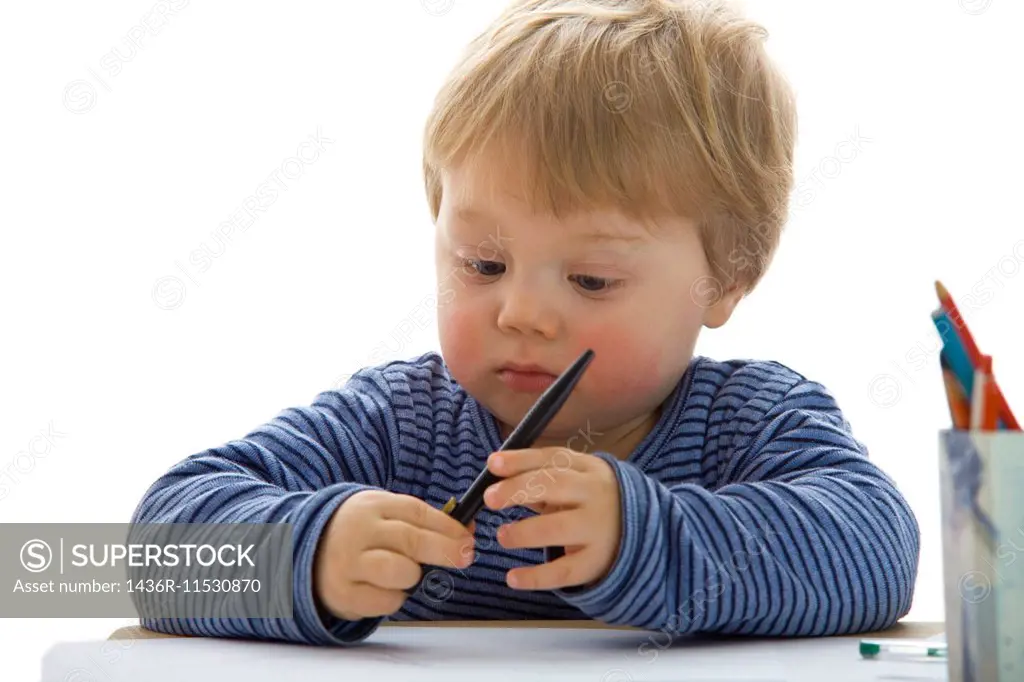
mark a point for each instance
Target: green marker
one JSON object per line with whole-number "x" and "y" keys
{"x": 874, "y": 648}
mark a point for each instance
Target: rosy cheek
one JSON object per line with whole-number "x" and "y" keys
{"x": 461, "y": 337}
{"x": 624, "y": 365}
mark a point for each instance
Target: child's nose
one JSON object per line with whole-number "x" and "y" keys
{"x": 528, "y": 312}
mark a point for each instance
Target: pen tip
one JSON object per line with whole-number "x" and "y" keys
{"x": 584, "y": 359}
{"x": 941, "y": 290}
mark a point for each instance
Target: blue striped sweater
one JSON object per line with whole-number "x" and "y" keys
{"x": 750, "y": 508}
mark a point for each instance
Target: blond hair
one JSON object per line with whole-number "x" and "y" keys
{"x": 651, "y": 107}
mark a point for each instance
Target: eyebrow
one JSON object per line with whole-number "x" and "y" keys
{"x": 602, "y": 237}
{"x": 469, "y": 214}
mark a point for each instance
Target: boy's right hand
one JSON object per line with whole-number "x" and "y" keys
{"x": 373, "y": 549}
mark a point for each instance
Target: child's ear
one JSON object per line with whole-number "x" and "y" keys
{"x": 719, "y": 309}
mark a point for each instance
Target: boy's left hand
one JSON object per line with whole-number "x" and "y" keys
{"x": 576, "y": 496}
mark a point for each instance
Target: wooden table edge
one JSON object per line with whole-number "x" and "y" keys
{"x": 911, "y": 629}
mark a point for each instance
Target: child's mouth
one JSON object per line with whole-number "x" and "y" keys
{"x": 526, "y": 382}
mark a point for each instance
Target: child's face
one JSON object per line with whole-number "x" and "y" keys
{"x": 519, "y": 287}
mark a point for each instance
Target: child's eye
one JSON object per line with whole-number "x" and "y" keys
{"x": 487, "y": 268}
{"x": 594, "y": 284}
{"x": 490, "y": 268}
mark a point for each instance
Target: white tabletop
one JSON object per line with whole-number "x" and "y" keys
{"x": 452, "y": 654}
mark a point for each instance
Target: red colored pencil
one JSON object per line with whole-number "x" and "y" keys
{"x": 973, "y": 353}
{"x": 990, "y": 417}
{"x": 1004, "y": 408}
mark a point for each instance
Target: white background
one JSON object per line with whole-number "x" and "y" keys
{"x": 110, "y": 182}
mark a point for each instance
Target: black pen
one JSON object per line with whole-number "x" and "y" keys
{"x": 524, "y": 435}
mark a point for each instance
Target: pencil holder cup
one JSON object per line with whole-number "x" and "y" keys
{"x": 981, "y": 477}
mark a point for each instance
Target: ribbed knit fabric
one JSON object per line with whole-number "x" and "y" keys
{"x": 749, "y": 509}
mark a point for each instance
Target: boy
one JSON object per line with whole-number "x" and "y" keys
{"x": 610, "y": 175}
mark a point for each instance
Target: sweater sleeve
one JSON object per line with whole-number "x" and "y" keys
{"x": 297, "y": 469}
{"x": 801, "y": 536}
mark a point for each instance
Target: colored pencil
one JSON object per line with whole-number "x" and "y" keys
{"x": 990, "y": 417}
{"x": 1005, "y": 415}
{"x": 959, "y": 405}
{"x": 963, "y": 347}
{"x": 979, "y": 395}
{"x": 973, "y": 353}
{"x": 957, "y": 359}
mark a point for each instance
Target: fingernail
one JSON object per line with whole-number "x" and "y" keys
{"x": 497, "y": 462}
{"x": 491, "y": 496}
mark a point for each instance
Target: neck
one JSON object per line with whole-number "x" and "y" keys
{"x": 619, "y": 441}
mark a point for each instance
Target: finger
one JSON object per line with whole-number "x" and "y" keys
{"x": 507, "y": 463}
{"x": 386, "y": 569}
{"x": 562, "y": 489}
{"x": 371, "y": 601}
{"x": 568, "y": 571}
{"x": 560, "y": 529}
{"x": 423, "y": 546}
{"x": 415, "y": 511}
